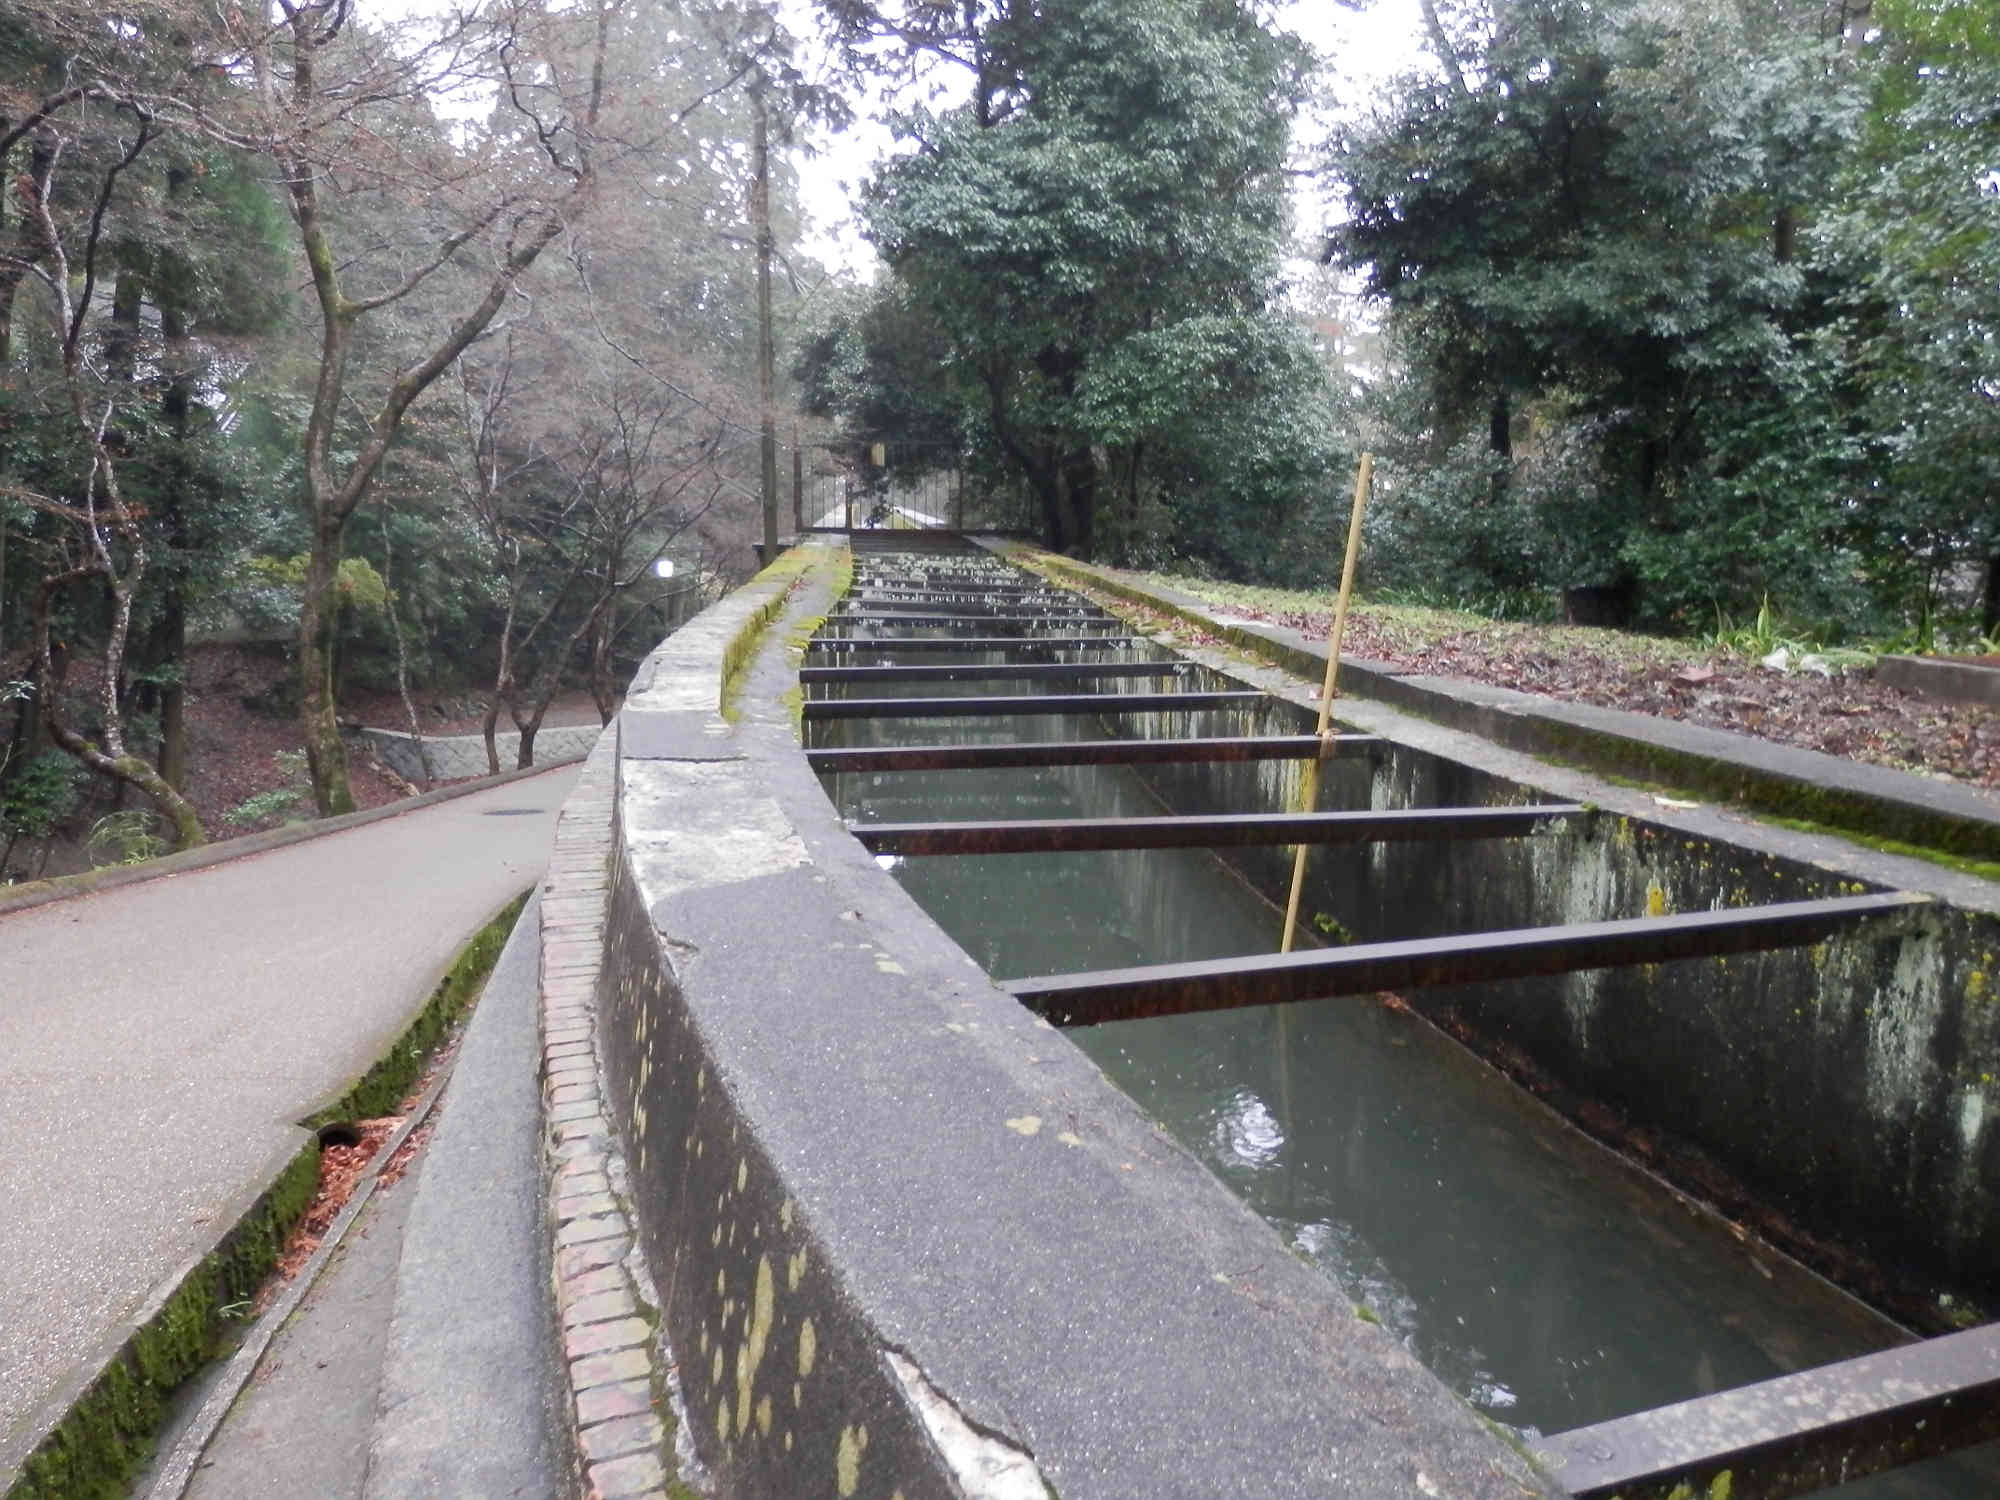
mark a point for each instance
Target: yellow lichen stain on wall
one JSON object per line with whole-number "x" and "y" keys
{"x": 763, "y": 1311}
{"x": 808, "y": 1348}
{"x": 847, "y": 1459}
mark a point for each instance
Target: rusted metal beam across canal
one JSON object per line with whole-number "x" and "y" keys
{"x": 1087, "y": 753}
{"x": 1465, "y": 958}
{"x": 1010, "y": 704}
{"x": 972, "y": 642}
{"x": 1796, "y": 1434}
{"x": 971, "y": 616}
{"x": 1216, "y": 831}
{"x": 988, "y": 591}
{"x": 1029, "y": 671}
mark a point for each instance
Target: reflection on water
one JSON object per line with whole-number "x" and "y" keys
{"x": 1545, "y": 1281}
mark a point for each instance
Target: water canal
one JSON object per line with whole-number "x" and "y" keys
{"x": 1546, "y": 1280}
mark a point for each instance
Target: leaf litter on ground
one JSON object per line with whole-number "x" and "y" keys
{"x": 1847, "y": 713}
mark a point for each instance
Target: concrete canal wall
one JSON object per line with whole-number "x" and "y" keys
{"x": 1851, "y": 1087}
{"x": 905, "y": 1239}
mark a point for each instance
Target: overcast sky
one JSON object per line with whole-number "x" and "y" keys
{"x": 1364, "y": 48}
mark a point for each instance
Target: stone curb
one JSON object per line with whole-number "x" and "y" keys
{"x": 176, "y": 1471}
{"x": 1780, "y": 780}
{"x": 114, "y": 877}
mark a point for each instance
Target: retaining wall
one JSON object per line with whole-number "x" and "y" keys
{"x": 452, "y": 756}
{"x": 906, "y": 1239}
{"x": 905, "y": 1235}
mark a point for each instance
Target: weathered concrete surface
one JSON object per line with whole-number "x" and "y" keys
{"x": 1951, "y": 681}
{"x": 894, "y": 1218}
{"x": 1851, "y": 1086}
{"x": 454, "y": 755}
{"x": 158, "y": 1042}
{"x": 1800, "y": 783}
{"x": 466, "y": 1406}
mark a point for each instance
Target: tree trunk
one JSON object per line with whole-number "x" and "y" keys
{"x": 760, "y": 213}
{"x": 1500, "y": 440}
{"x": 489, "y": 727}
{"x": 402, "y": 651}
{"x": 112, "y": 759}
{"x": 121, "y": 336}
{"x": 319, "y": 614}
{"x": 1989, "y": 619}
{"x": 602, "y": 692}
{"x": 1079, "y": 492}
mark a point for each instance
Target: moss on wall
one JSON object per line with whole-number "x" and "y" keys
{"x": 108, "y": 1432}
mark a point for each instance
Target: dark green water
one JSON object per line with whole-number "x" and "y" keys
{"x": 1544, "y": 1279}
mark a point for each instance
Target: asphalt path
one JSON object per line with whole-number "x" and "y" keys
{"x": 159, "y": 1044}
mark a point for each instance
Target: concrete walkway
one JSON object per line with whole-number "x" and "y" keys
{"x": 159, "y": 1042}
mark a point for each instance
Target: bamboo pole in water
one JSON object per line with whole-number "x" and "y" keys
{"x": 1309, "y": 793}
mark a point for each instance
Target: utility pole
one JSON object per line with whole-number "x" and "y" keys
{"x": 798, "y": 482}
{"x": 760, "y": 213}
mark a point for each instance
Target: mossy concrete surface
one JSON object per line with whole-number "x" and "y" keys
{"x": 108, "y": 1427}
{"x": 908, "y": 1239}
{"x": 78, "y": 1434}
{"x": 1922, "y": 812}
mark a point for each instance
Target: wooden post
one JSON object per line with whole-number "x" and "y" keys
{"x": 1309, "y": 796}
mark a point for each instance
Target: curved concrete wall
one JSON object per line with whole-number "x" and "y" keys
{"x": 906, "y": 1239}
{"x": 452, "y": 756}
{"x": 904, "y": 1234}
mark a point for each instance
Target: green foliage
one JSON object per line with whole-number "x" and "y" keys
{"x": 355, "y": 582}
{"x": 1085, "y": 261}
{"x": 276, "y": 801}
{"x": 39, "y": 795}
{"x": 1769, "y": 632}
{"x": 130, "y": 837}
{"x": 1589, "y": 246}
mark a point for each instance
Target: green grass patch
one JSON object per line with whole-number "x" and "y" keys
{"x": 1961, "y": 844}
{"x": 1984, "y": 869}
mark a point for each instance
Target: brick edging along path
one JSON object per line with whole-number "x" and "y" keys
{"x": 614, "y": 1376}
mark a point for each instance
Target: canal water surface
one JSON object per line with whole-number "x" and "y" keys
{"x": 1545, "y": 1279}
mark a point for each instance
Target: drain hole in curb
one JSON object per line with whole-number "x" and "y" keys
{"x": 511, "y": 812}
{"x": 339, "y": 1133}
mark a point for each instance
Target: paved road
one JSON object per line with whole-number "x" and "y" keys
{"x": 158, "y": 1044}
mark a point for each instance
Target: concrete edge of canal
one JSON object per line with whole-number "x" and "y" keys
{"x": 900, "y": 1237}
